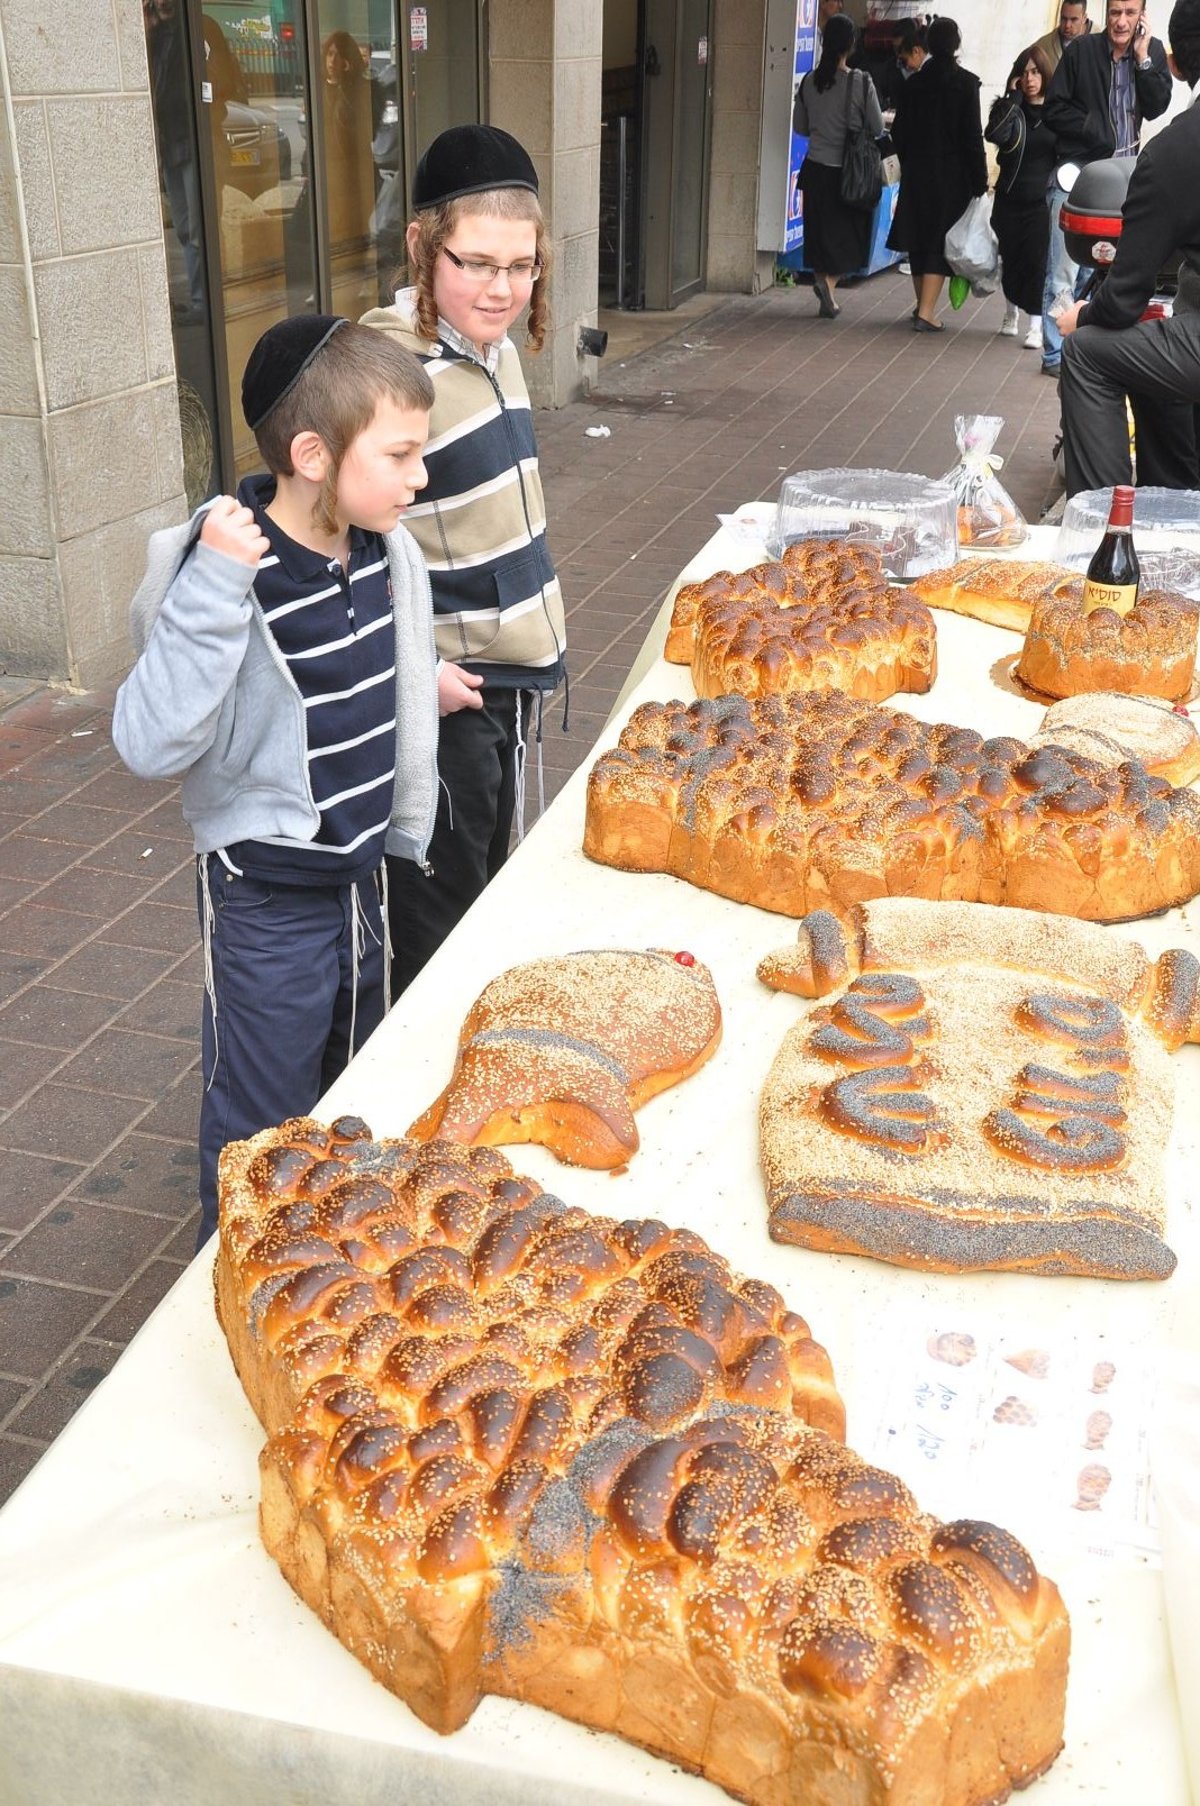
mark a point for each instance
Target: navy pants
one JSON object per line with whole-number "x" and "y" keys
{"x": 277, "y": 1025}
{"x": 477, "y": 765}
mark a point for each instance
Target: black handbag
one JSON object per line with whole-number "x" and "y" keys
{"x": 862, "y": 161}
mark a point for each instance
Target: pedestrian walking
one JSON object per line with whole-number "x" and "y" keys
{"x": 833, "y": 102}
{"x": 938, "y": 134}
{"x": 1026, "y": 146}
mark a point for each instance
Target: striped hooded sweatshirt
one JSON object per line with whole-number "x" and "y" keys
{"x": 481, "y": 521}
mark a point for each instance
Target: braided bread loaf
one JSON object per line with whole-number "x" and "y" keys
{"x": 562, "y": 1051}
{"x": 802, "y": 802}
{"x": 521, "y": 1450}
{"x": 1001, "y": 591}
{"x": 1151, "y": 651}
{"x": 823, "y": 617}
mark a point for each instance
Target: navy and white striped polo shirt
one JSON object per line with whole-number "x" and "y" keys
{"x": 336, "y": 631}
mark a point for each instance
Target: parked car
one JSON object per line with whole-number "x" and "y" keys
{"x": 259, "y": 152}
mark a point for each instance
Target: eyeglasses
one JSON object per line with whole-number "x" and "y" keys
{"x": 475, "y": 269}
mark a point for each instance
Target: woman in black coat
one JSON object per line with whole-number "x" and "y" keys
{"x": 1027, "y": 153}
{"x": 939, "y": 137}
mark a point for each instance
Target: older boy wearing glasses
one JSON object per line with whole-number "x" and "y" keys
{"x": 477, "y": 258}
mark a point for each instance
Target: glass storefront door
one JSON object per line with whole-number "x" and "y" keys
{"x": 676, "y": 99}
{"x": 356, "y": 125}
{"x": 286, "y": 130}
{"x": 253, "y": 105}
{"x": 442, "y": 54}
{"x": 168, "y": 54}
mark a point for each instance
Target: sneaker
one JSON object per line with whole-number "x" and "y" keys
{"x": 1011, "y": 324}
{"x": 1033, "y": 338}
{"x": 1050, "y": 370}
{"x": 904, "y": 267}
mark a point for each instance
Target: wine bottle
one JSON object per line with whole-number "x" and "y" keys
{"x": 1112, "y": 576}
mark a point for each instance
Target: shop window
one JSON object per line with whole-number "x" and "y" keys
{"x": 286, "y": 130}
{"x": 252, "y": 102}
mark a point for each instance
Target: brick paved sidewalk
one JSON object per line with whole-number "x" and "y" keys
{"x": 100, "y": 974}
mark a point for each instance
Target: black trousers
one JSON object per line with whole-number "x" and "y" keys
{"x": 477, "y": 766}
{"x": 1157, "y": 364}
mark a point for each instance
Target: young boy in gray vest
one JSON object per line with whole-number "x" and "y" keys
{"x": 286, "y": 671}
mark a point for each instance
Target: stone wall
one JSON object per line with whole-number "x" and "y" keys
{"x": 544, "y": 87}
{"x": 90, "y": 457}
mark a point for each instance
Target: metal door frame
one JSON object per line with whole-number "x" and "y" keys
{"x": 660, "y": 156}
{"x": 210, "y": 219}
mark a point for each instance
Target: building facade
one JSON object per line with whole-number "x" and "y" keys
{"x": 175, "y": 175}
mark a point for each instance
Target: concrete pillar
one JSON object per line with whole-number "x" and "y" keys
{"x": 90, "y": 456}
{"x": 545, "y": 62}
{"x": 739, "y": 28}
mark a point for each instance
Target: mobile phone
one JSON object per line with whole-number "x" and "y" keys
{"x": 1141, "y": 28}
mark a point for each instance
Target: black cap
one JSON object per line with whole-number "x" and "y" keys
{"x": 280, "y": 359}
{"x": 471, "y": 159}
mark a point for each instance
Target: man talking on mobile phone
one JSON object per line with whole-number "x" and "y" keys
{"x": 1106, "y": 85}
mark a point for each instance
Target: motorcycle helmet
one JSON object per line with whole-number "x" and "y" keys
{"x": 1091, "y": 213}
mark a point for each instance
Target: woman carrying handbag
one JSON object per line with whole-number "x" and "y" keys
{"x": 834, "y": 106}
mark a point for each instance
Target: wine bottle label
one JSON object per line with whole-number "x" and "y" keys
{"x": 1120, "y": 597}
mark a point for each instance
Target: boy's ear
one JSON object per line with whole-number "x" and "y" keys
{"x": 310, "y": 456}
{"x": 411, "y": 235}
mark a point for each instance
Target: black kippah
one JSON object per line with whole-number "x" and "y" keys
{"x": 280, "y": 359}
{"x": 470, "y": 159}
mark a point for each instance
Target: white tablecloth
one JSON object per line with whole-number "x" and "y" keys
{"x": 150, "y": 1651}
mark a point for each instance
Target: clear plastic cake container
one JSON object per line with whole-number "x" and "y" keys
{"x": 912, "y": 521}
{"x": 1166, "y": 531}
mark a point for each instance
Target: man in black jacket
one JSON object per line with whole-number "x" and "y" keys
{"x": 1108, "y": 354}
{"x": 1104, "y": 87}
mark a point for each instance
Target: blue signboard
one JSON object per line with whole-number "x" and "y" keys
{"x": 806, "y": 37}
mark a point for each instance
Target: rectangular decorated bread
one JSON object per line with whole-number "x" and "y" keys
{"x": 518, "y": 1449}
{"x": 988, "y": 1088}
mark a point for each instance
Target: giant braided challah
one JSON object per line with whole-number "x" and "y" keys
{"x": 808, "y": 802}
{"x": 518, "y": 1449}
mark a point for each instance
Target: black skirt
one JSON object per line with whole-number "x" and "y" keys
{"x": 1023, "y": 230}
{"x": 837, "y": 238}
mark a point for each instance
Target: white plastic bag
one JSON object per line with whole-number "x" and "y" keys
{"x": 971, "y": 247}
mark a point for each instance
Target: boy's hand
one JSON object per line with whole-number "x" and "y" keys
{"x": 458, "y": 689}
{"x": 232, "y": 529}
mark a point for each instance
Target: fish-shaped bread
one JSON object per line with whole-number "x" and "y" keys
{"x": 563, "y": 1050}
